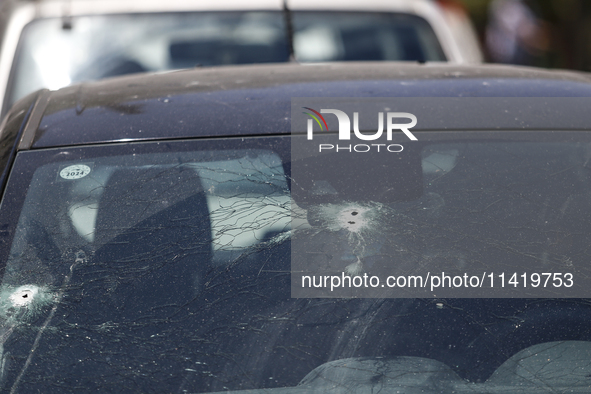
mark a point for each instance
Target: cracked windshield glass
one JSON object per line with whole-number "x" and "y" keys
{"x": 171, "y": 267}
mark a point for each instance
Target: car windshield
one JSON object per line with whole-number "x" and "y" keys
{"x": 166, "y": 266}
{"x": 53, "y": 53}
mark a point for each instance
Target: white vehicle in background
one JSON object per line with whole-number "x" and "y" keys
{"x": 55, "y": 43}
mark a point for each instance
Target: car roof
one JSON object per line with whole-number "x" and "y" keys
{"x": 256, "y": 100}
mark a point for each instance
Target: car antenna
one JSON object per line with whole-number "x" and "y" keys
{"x": 288, "y": 30}
{"x": 67, "y": 15}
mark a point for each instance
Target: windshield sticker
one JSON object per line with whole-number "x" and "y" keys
{"x": 75, "y": 171}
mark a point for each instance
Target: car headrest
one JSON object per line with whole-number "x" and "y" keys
{"x": 153, "y": 235}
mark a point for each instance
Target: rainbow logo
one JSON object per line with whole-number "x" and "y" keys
{"x": 316, "y": 118}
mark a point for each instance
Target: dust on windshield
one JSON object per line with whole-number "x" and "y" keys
{"x": 167, "y": 267}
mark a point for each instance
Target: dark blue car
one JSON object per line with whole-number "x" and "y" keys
{"x": 217, "y": 230}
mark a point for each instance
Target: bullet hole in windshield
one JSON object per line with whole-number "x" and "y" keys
{"x": 20, "y": 304}
{"x": 23, "y": 296}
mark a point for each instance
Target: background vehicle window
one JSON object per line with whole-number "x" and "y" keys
{"x": 109, "y": 45}
{"x": 343, "y": 36}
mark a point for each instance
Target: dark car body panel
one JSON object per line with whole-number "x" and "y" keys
{"x": 255, "y": 100}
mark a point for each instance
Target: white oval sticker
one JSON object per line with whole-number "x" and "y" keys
{"x": 76, "y": 171}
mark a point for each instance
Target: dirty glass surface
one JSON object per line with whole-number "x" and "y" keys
{"x": 165, "y": 267}
{"x": 94, "y": 47}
